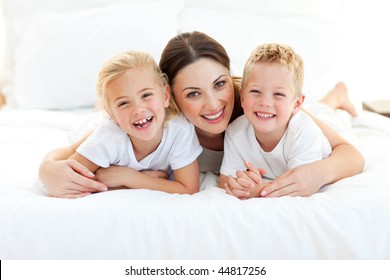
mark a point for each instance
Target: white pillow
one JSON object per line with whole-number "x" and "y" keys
{"x": 59, "y": 55}
{"x": 317, "y": 39}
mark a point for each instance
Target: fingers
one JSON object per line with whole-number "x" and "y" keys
{"x": 81, "y": 169}
{"x": 254, "y": 173}
{"x": 242, "y": 182}
{"x": 275, "y": 190}
{"x": 237, "y": 193}
{"x": 77, "y": 195}
{"x": 279, "y": 183}
{"x": 85, "y": 184}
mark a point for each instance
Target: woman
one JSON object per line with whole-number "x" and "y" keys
{"x": 198, "y": 69}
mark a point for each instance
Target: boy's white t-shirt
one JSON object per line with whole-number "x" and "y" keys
{"x": 303, "y": 142}
{"x": 110, "y": 145}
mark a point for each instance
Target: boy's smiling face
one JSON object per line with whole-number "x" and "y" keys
{"x": 268, "y": 99}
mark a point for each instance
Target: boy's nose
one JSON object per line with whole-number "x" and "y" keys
{"x": 265, "y": 100}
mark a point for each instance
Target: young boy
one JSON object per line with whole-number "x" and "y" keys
{"x": 274, "y": 134}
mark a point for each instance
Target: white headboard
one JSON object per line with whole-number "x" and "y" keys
{"x": 338, "y": 39}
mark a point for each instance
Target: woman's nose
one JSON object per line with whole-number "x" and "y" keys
{"x": 212, "y": 101}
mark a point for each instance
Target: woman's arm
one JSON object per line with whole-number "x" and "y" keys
{"x": 64, "y": 177}
{"x": 186, "y": 179}
{"x": 344, "y": 161}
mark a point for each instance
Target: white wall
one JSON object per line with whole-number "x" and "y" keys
{"x": 1, "y": 42}
{"x": 367, "y": 35}
{"x": 361, "y": 51}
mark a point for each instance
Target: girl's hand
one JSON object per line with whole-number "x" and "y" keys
{"x": 68, "y": 179}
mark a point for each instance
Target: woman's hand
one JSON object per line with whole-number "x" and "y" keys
{"x": 68, "y": 179}
{"x": 304, "y": 180}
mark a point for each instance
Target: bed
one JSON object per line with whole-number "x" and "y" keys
{"x": 46, "y": 102}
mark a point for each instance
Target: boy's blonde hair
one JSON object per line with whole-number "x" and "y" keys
{"x": 283, "y": 55}
{"x": 119, "y": 64}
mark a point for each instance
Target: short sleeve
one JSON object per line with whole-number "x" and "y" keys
{"x": 232, "y": 159}
{"x": 101, "y": 147}
{"x": 185, "y": 148}
{"x": 306, "y": 144}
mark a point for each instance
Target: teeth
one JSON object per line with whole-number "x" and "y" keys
{"x": 213, "y": 117}
{"x": 262, "y": 115}
{"x": 143, "y": 121}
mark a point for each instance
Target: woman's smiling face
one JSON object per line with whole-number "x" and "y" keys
{"x": 204, "y": 93}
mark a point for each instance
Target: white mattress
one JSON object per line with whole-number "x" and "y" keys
{"x": 345, "y": 220}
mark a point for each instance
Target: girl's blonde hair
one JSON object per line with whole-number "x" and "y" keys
{"x": 119, "y": 64}
{"x": 283, "y": 55}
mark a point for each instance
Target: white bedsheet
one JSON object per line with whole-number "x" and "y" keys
{"x": 346, "y": 220}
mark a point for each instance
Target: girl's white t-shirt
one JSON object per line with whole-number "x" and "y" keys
{"x": 110, "y": 145}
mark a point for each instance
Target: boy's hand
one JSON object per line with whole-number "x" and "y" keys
{"x": 247, "y": 184}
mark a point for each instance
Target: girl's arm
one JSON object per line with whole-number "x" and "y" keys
{"x": 64, "y": 177}
{"x": 186, "y": 179}
{"x": 344, "y": 161}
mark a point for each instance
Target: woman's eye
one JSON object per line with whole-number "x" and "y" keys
{"x": 193, "y": 94}
{"x": 220, "y": 84}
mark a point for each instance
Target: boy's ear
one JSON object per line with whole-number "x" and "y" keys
{"x": 298, "y": 103}
{"x": 241, "y": 97}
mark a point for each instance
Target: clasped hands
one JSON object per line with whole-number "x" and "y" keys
{"x": 248, "y": 183}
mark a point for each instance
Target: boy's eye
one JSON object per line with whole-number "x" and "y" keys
{"x": 279, "y": 94}
{"x": 255, "y": 91}
{"x": 147, "y": 94}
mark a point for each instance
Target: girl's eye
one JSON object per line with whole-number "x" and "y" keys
{"x": 220, "y": 84}
{"x": 122, "y": 104}
{"x": 193, "y": 94}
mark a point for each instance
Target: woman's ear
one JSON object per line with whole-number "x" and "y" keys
{"x": 298, "y": 103}
{"x": 167, "y": 95}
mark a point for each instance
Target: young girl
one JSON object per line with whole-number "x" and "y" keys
{"x": 144, "y": 131}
